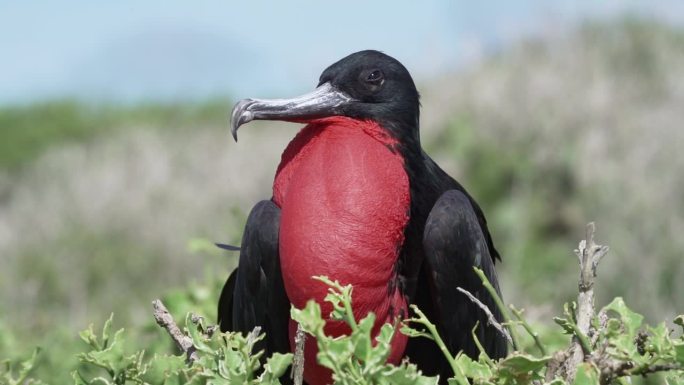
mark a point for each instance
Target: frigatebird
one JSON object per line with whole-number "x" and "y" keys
{"x": 356, "y": 198}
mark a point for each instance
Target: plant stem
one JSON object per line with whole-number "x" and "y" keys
{"x": 438, "y": 339}
{"x": 535, "y": 336}
{"x": 499, "y": 304}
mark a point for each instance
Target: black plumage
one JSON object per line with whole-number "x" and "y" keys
{"x": 446, "y": 235}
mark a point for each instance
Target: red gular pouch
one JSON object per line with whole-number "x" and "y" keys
{"x": 344, "y": 198}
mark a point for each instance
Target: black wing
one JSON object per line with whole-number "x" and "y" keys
{"x": 254, "y": 294}
{"x": 454, "y": 242}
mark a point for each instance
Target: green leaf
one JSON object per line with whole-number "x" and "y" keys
{"x": 362, "y": 338}
{"x": 675, "y": 379}
{"x": 679, "y": 352}
{"x": 78, "y": 379}
{"x": 340, "y": 350}
{"x": 161, "y": 368}
{"x": 88, "y": 336}
{"x": 386, "y": 334}
{"x": 519, "y": 363}
{"x": 325, "y": 361}
{"x": 413, "y": 333}
{"x": 277, "y": 364}
{"x": 106, "y": 330}
{"x": 613, "y": 327}
{"x": 367, "y": 323}
{"x": 566, "y": 324}
{"x": 406, "y": 374}
{"x": 199, "y": 341}
{"x": 381, "y": 351}
{"x": 473, "y": 369}
{"x": 587, "y": 374}
{"x": 27, "y": 365}
{"x": 658, "y": 341}
{"x": 6, "y": 377}
{"x": 631, "y": 320}
{"x": 309, "y": 317}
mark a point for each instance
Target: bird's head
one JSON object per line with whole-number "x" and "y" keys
{"x": 366, "y": 85}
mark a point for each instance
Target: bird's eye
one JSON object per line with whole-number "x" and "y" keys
{"x": 375, "y": 77}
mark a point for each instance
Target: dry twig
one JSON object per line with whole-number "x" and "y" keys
{"x": 491, "y": 320}
{"x": 165, "y": 320}
{"x": 298, "y": 361}
{"x": 590, "y": 255}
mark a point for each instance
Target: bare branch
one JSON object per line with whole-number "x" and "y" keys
{"x": 616, "y": 369}
{"x": 555, "y": 366}
{"x": 490, "y": 317}
{"x": 165, "y": 320}
{"x": 298, "y": 361}
{"x": 499, "y": 304}
{"x": 589, "y": 255}
{"x": 642, "y": 371}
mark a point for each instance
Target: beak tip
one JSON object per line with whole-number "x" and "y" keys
{"x": 240, "y": 116}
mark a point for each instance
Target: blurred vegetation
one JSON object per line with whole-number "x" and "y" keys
{"x": 105, "y": 207}
{"x": 559, "y": 130}
{"x": 27, "y": 131}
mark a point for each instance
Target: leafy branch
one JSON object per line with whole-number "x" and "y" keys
{"x": 358, "y": 358}
{"x": 607, "y": 347}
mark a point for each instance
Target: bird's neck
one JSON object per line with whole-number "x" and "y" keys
{"x": 318, "y": 132}
{"x": 405, "y": 131}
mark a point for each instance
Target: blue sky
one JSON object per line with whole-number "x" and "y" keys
{"x": 131, "y": 50}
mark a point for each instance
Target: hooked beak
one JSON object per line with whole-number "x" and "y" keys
{"x": 322, "y": 102}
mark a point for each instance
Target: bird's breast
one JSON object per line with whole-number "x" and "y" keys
{"x": 345, "y": 202}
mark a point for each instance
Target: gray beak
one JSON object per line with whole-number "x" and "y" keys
{"x": 322, "y": 102}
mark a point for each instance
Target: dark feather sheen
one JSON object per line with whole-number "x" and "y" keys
{"x": 462, "y": 226}
{"x": 254, "y": 294}
{"x": 445, "y": 237}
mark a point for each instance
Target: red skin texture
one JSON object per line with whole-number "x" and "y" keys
{"x": 345, "y": 202}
